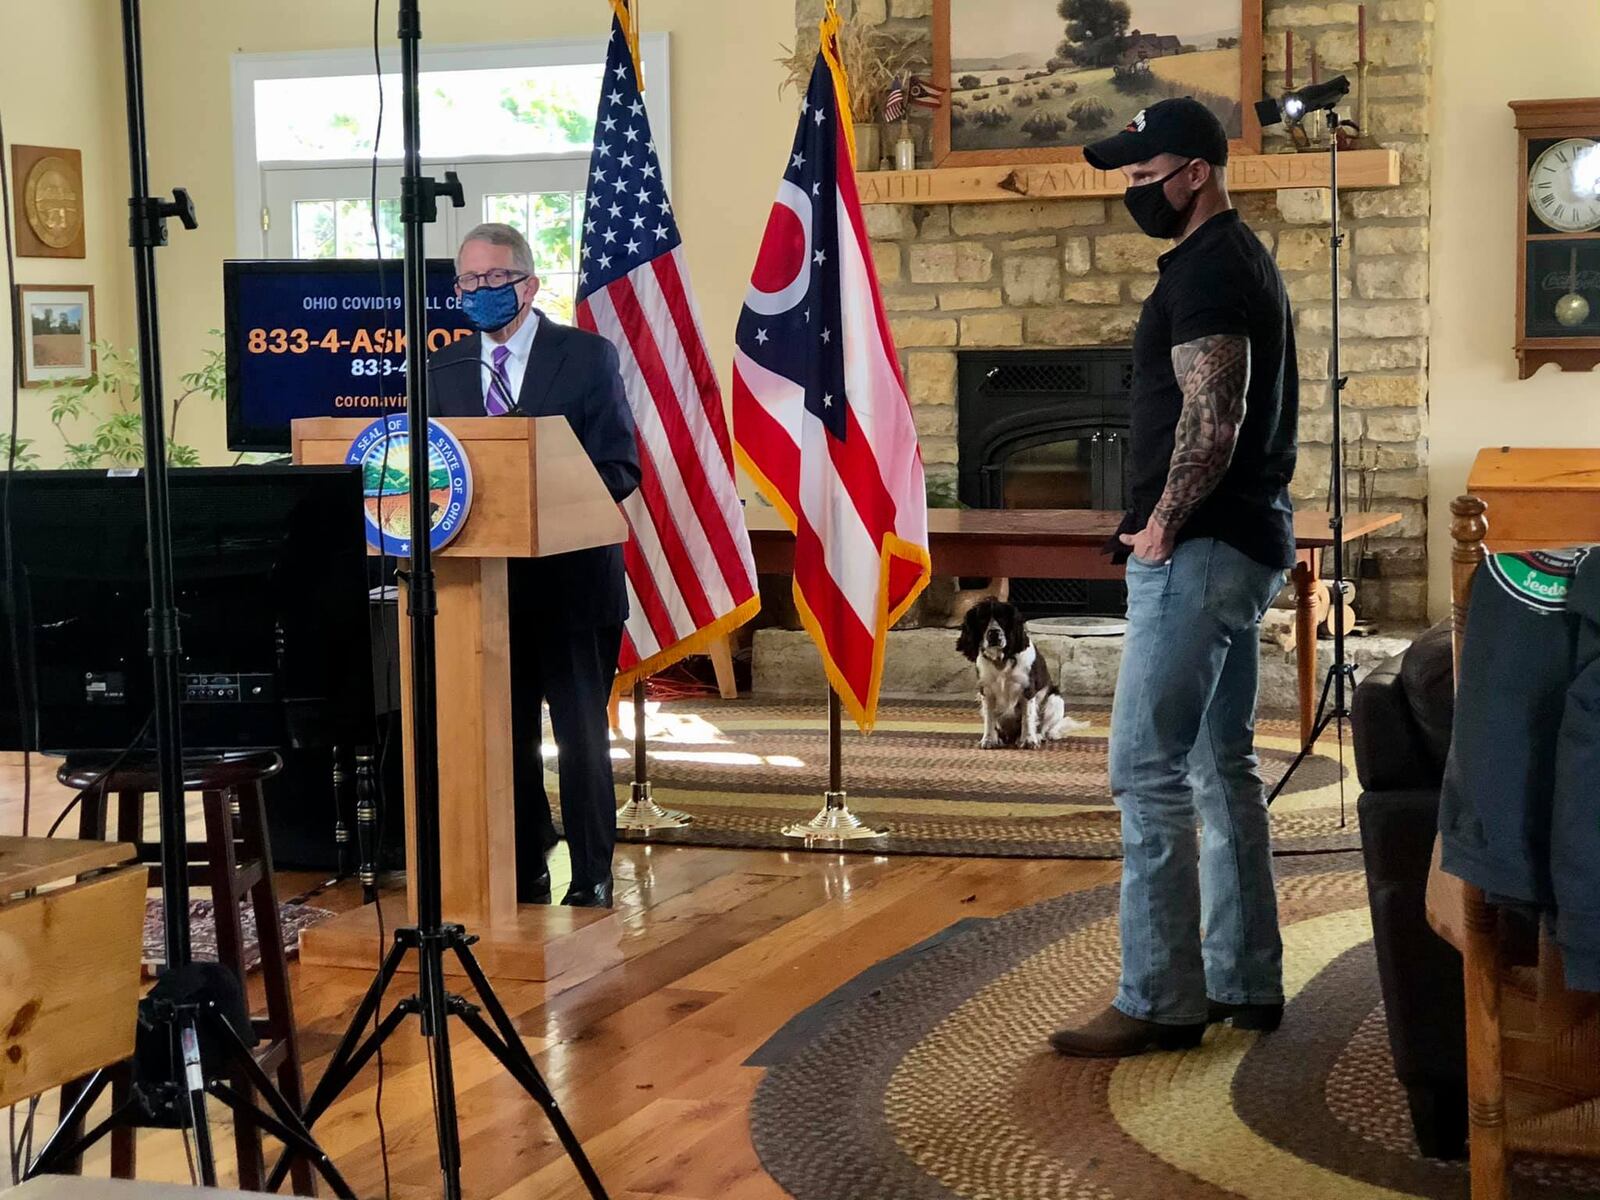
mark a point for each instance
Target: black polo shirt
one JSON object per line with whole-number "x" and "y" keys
{"x": 1220, "y": 280}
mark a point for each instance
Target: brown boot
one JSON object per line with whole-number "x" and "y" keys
{"x": 1114, "y": 1034}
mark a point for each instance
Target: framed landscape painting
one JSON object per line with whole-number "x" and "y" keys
{"x": 1034, "y": 80}
{"x": 57, "y": 333}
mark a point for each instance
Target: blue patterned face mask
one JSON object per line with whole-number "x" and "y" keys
{"x": 489, "y": 309}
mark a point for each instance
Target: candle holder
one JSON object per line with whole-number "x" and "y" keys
{"x": 905, "y": 149}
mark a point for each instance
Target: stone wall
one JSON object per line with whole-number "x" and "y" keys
{"x": 1073, "y": 273}
{"x": 923, "y": 664}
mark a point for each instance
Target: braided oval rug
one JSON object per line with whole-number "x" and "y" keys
{"x": 937, "y": 1082}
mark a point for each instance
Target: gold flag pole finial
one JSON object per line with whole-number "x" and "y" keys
{"x": 628, "y": 17}
{"x": 828, "y": 31}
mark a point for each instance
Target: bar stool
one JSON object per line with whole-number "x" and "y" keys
{"x": 235, "y": 862}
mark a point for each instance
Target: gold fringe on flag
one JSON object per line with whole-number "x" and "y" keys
{"x": 628, "y": 17}
{"x": 829, "y": 29}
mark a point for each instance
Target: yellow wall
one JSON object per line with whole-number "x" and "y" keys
{"x": 61, "y": 85}
{"x": 1488, "y": 53}
{"x": 730, "y": 131}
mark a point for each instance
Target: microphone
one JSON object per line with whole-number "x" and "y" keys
{"x": 462, "y": 361}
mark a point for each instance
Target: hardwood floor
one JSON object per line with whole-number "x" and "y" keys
{"x": 720, "y": 948}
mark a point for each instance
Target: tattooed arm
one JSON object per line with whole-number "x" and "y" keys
{"x": 1214, "y": 374}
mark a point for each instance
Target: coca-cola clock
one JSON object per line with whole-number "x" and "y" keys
{"x": 1558, "y": 234}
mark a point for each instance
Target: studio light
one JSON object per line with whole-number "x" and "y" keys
{"x": 1292, "y": 110}
{"x": 1291, "y": 107}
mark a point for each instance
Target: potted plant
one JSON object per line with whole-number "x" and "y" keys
{"x": 117, "y": 438}
{"x": 873, "y": 61}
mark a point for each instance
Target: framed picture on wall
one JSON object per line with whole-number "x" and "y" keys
{"x": 57, "y": 333}
{"x": 1034, "y": 80}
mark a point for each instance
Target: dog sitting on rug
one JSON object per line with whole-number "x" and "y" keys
{"x": 1020, "y": 705}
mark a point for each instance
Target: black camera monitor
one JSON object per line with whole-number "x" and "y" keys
{"x": 270, "y": 570}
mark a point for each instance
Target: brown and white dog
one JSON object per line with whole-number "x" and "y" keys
{"x": 1021, "y": 706}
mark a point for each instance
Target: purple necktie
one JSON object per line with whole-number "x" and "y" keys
{"x": 497, "y": 396}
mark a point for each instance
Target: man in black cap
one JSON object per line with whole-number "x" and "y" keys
{"x": 1208, "y": 541}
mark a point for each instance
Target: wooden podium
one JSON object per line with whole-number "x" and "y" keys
{"x": 535, "y": 493}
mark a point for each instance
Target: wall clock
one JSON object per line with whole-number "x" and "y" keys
{"x": 1558, "y": 234}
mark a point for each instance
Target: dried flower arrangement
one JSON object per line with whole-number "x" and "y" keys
{"x": 873, "y": 59}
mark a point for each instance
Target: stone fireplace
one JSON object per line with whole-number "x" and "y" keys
{"x": 962, "y": 281}
{"x": 1045, "y": 429}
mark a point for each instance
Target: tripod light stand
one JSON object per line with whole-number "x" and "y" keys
{"x": 1291, "y": 109}
{"x": 430, "y": 937}
{"x": 190, "y": 1018}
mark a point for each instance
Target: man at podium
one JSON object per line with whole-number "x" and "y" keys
{"x": 567, "y": 610}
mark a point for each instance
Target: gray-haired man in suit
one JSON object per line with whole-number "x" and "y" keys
{"x": 567, "y": 611}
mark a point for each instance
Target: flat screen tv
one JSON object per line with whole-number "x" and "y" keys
{"x": 320, "y": 338}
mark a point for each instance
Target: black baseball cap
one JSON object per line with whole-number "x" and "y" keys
{"x": 1179, "y": 126}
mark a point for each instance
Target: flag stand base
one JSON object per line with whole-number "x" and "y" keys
{"x": 835, "y": 823}
{"x": 641, "y": 814}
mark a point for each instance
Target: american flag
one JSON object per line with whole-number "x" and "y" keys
{"x": 691, "y": 576}
{"x": 820, "y": 415}
{"x": 894, "y": 107}
{"x": 928, "y": 95}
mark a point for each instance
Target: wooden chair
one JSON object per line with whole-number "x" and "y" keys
{"x": 1533, "y": 1047}
{"x": 235, "y": 862}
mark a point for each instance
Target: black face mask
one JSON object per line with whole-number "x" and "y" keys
{"x": 1153, "y": 212}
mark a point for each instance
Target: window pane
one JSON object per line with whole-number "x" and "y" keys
{"x": 556, "y": 295}
{"x": 545, "y": 219}
{"x": 353, "y": 228}
{"x": 313, "y": 229}
{"x": 509, "y": 209}
{"x": 550, "y": 215}
{"x": 506, "y": 110}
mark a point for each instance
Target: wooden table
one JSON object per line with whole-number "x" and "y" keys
{"x": 1070, "y": 544}
{"x": 32, "y": 862}
{"x": 69, "y": 960}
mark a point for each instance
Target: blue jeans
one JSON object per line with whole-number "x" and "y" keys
{"x": 1199, "y": 916}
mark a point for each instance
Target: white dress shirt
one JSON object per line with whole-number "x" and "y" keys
{"x": 521, "y": 346}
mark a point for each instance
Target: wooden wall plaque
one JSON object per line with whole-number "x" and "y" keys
{"x": 47, "y": 187}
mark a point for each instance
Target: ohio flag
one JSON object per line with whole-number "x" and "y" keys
{"x": 820, "y": 415}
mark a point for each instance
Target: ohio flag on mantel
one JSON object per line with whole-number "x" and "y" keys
{"x": 821, "y": 420}
{"x": 691, "y": 576}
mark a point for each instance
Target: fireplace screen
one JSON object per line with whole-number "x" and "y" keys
{"x": 1040, "y": 429}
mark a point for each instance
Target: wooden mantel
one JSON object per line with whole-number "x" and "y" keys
{"x": 1080, "y": 181}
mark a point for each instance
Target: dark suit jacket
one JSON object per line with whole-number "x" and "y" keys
{"x": 573, "y": 374}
